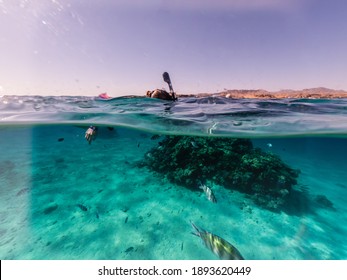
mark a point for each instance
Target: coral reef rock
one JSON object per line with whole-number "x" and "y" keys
{"x": 230, "y": 162}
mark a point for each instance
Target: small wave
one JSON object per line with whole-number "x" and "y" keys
{"x": 213, "y": 116}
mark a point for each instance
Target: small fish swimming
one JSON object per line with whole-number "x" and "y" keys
{"x": 194, "y": 145}
{"x": 219, "y": 246}
{"x": 23, "y": 191}
{"x": 82, "y": 207}
{"x": 209, "y": 193}
{"x": 130, "y": 249}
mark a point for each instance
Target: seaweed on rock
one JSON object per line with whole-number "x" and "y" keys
{"x": 231, "y": 162}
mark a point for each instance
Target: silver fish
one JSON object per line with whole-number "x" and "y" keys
{"x": 209, "y": 193}
{"x": 194, "y": 145}
{"x": 219, "y": 246}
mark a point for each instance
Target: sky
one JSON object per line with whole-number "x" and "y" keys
{"x": 122, "y": 47}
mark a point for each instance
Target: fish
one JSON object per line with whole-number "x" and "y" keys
{"x": 194, "y": 145}
{"x": 129, "y": 249}
{"x": 82, "y": 207}
{"x": 50, "y": 209}
{"x": 23, "y": 191}
{"x": 209, "y": 193}
{"x": 219, "y": 246}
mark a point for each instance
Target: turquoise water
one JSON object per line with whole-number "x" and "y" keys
{"x": 62, "y": 198}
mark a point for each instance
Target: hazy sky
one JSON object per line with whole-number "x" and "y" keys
{"x": 85, "y": 47}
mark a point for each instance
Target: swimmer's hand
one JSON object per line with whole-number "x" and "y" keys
{"x": 91, "y": 134}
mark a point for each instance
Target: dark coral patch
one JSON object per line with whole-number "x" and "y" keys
{"x": 231, "y": 162}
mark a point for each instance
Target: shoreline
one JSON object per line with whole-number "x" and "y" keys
{"x": 313, "y": 93}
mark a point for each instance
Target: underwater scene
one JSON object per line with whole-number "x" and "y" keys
{"x": 197, "y": 179}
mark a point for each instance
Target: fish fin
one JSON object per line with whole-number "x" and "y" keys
{"x": 197, "y": 230}
{"x": 202, "y": 186}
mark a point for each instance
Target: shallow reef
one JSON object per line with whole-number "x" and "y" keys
{"x": 230, "y": 162}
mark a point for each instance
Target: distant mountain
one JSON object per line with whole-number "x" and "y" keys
{"x": 319, "y": 92}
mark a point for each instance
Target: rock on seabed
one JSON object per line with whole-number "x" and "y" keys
{"x": 231, "y": 162}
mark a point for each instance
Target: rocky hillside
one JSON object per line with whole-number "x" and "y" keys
{"x": 320, "y": 92}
